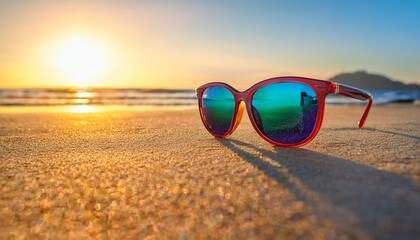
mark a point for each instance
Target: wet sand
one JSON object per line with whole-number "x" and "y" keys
{"x": 147, "y": 174}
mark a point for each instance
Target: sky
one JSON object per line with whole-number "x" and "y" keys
{"x": 183, "y": 44}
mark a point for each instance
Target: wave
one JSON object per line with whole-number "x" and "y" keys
{"x": 153, "y": 97}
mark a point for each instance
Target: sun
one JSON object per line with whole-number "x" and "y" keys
{"x": 81, "y": 59}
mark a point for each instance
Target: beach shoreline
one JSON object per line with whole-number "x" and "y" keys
{"x": 127, "y": 172}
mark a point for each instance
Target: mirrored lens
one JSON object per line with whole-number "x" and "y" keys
{"x": 218, "y": 106}
{"x": 285, "y": 112}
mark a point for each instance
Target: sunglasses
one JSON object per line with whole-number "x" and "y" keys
{"x": 285, "y": 111}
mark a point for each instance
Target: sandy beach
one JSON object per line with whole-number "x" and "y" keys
{"x": 158, "y": 174}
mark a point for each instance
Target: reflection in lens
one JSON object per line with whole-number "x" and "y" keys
{"x": 285, "y": 112}
{"x": 218, "y": 106}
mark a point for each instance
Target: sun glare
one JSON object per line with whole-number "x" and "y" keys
{"x": 82, "y": 109}
{"x": 81, "y": 60}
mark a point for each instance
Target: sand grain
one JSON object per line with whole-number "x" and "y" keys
{"x": 139, "y": 174}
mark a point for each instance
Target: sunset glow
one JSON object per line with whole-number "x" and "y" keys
{"x": 184, "y": 44}
{"x": 81, "y": 60}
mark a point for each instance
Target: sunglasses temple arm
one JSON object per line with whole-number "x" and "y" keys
{"x": 355, "y": 93}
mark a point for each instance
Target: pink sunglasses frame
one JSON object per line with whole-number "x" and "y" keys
{"x": 320, "y": 87}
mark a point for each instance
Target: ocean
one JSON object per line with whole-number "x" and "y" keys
{"x": 154, "y": 97}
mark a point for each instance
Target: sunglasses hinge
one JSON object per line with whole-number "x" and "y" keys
{"x": 335, "y": 88}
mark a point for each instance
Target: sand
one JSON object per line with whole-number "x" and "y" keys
{"x": 153, "y": 174}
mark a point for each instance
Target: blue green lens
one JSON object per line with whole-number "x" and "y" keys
{"x": 285, "y": 112}
{"x": 218, "y": 106}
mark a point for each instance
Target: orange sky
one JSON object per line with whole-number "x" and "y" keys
{"x": 184, "y": 44}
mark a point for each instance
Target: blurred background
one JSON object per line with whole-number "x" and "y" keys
{"x": 158, "y": 52}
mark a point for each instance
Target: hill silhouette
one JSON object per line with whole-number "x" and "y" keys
{"x": 364, "y": 80}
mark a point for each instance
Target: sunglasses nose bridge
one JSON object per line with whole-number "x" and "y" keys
{"x": 242, "y": 96}
{"x": 240, "y": 99}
